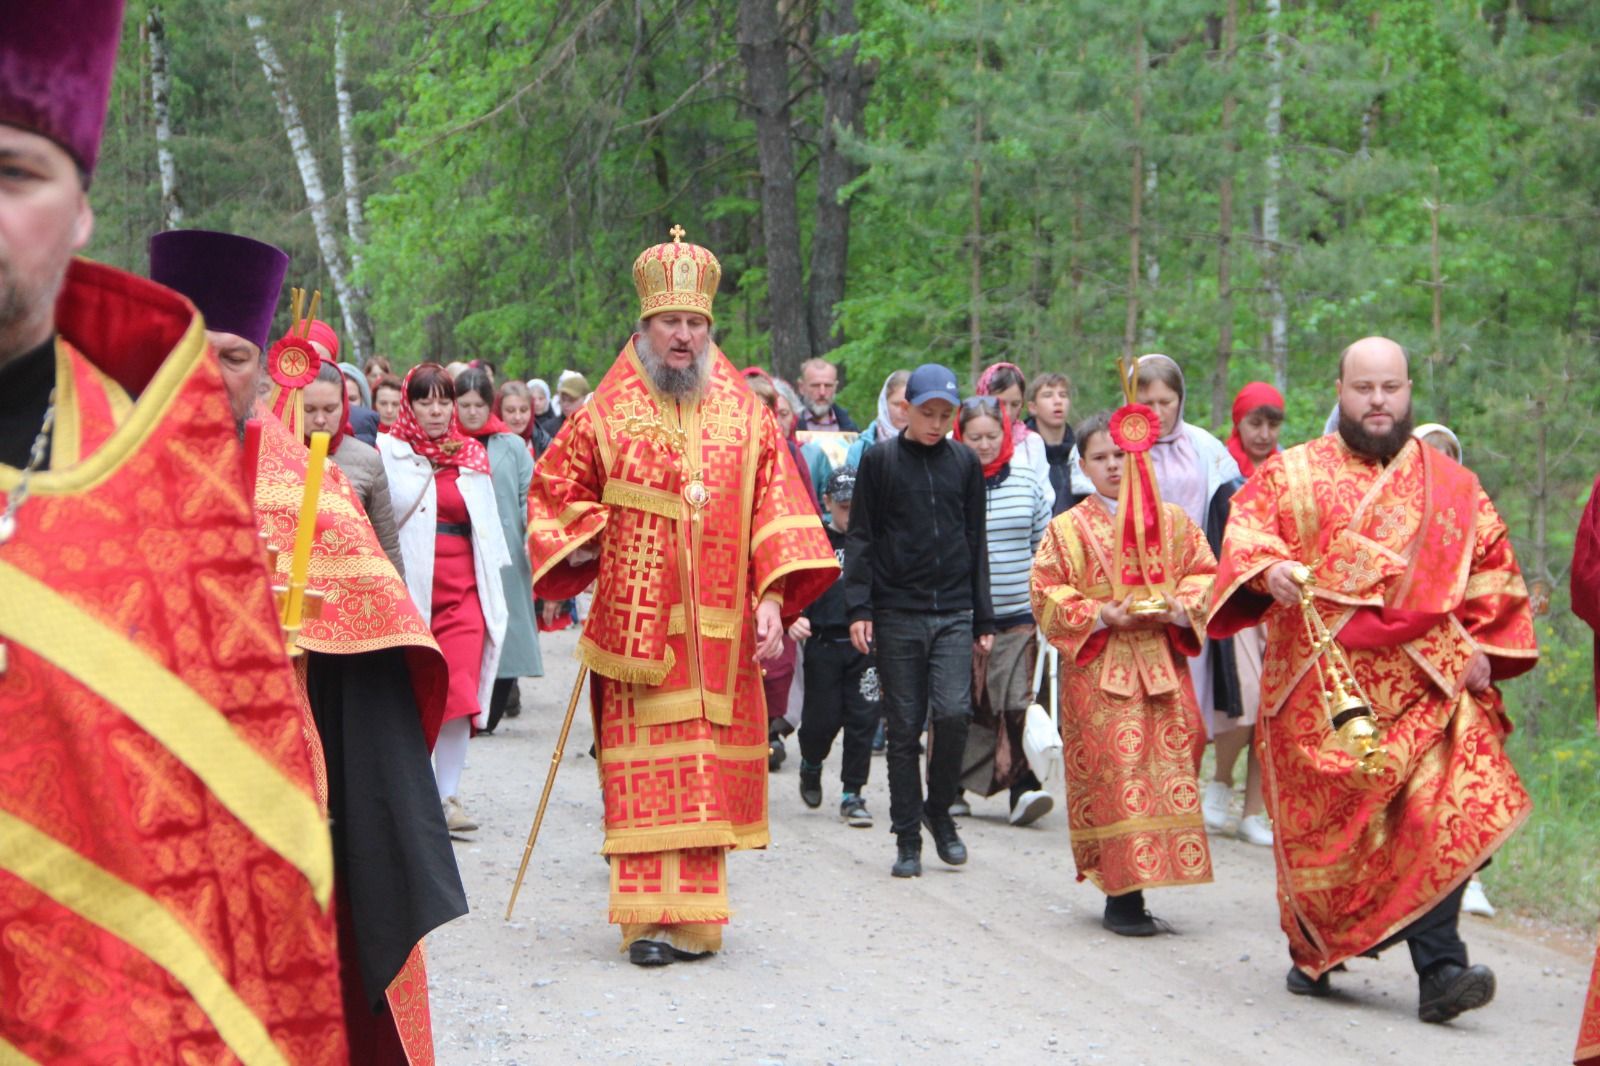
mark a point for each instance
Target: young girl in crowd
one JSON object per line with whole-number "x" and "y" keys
{"x": 511, "y": 469}
{"x": 514, "y": 405}
{"x": 1130, "y": 726}
{"x": 387, "y": 396}
{"x": 1236, "y": 660}
{"x": 1017, "y": 512}
{"x": 455, "y": 550}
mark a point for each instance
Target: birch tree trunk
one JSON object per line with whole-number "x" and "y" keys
{"x": 1219, "y": 373}
{"x": 1152, "y": 259}
{"x": 161, "y": 103}
{"x": 354, "y": 216}
{"x": 766, "y": 62}
{"x": 294, "y": 128}
{"x": 1278, "y": 331}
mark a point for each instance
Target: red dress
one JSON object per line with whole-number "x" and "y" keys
{"x": 457, "y": 623}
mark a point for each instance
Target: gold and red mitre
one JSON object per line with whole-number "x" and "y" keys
{"x": 676, "y": 277}
{"x": 1142, "y": 568}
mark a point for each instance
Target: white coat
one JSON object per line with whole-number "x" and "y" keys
{"x": 412, "y": 493}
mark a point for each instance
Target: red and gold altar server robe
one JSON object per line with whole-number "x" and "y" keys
{"x": 1414, "y": 573}
{"x": 398, "y": 882}
{"x": 1586, "y": 605}
{"x": 680, "y": 716}
{"x": 1131, "y": 731}
{"x": 165, "y": 872}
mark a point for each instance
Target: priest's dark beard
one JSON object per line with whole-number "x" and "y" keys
{"x": 1382, "y": 447}
{"x": 680, "y": 384}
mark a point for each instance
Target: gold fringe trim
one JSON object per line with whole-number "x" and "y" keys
{"x": 667, "y": 505}
{"x": 719, "y": 630}
{"x": 676, "y": 624}
{"x": 659, "y": 916}
{"x": 665, "y": 714}
{"x": 752, "y": 839}
{"x": 640, "y": 841}
{"x": 621, "y": 668}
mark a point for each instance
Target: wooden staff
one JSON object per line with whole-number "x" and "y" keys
{"x": 549, "y": 783}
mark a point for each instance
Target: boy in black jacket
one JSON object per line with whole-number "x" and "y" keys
{"x": 916, "y": 577}
{"x": 841, "y": 683}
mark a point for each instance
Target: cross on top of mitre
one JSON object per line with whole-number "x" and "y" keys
{"x": 677, "y": 232}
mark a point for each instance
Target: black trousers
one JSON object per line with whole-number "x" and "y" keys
{"x": 498, "y": 698}
{"x": 1434, "y": 937}
{"x": 925, "y": 668}
{"x": 841, "y": 694}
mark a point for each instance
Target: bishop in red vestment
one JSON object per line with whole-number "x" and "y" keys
{"x": 671, "y": 489}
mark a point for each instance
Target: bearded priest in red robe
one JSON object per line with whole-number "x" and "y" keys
{"x": 165, "y": 873}
{"x": 1413, "y": 574}
{"x": 672, "y": 491}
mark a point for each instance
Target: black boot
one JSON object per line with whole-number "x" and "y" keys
{"x": 1125, "y": 916}
{"x": 1449, "y": 989}
{"x": 909, "y": 861}
{"x": 946, "y": 841}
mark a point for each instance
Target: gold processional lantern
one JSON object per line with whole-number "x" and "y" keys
{"x": 1349, "y": 712}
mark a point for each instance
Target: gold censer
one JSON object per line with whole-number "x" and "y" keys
{"x": 1350, "y": 714}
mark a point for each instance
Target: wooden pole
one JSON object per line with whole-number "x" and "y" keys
{"x": 549, "y": 783}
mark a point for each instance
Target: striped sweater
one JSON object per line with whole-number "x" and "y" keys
{"x": 1018, "y": 512}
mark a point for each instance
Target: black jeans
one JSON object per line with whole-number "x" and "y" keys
{"x": 925, "y": 668}
{"x": 841, "y": 693}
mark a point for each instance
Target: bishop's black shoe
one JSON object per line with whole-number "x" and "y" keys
{"x": 1125, "y": 916}
{"x": 1449, "y": 989}
{"x": 659, "y": 953}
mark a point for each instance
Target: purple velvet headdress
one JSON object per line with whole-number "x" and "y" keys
{"x": 56, "y": 61}
{"x": 233, "y": 280}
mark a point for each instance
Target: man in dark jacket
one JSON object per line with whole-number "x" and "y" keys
{"x": 917, "y": 592}
{"x": 819, "y": 383}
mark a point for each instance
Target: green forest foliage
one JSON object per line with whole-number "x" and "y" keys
{"x": 517, "y": 154}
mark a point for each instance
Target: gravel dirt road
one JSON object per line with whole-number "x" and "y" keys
{"x": 829, "y": 960}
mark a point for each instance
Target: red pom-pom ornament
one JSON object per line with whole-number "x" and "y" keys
{"x": 1135, "y": 428}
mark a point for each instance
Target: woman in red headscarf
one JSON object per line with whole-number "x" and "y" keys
{"x": 1236, "y": 660}
{"x": 450, "y": 536}
{"x": 1016, "y": 515}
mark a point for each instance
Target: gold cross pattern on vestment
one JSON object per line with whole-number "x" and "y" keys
{"x": 722, "y": 421}
{"x": 1357, "y": 572}
{"x": 1390, "y": 515}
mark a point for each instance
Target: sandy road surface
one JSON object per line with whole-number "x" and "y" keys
{"x": 829, "y": 960}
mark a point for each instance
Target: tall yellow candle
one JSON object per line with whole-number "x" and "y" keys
{"x": 300, "y": 562}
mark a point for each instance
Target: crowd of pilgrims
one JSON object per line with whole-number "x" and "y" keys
{"x": 825, "y": 687}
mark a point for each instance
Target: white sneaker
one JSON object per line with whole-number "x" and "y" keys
{"x": 1256, "y": 830}
{"x": 1031, "y": 806}
{"x": 1214, "y": 804}
{"x": 1473, "y": 901}
{"x": 960, "y": 809}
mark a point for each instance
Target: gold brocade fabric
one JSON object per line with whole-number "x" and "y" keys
{"x": 1131, "y": 731}
{"x": 1360, "y": 857}
{"x": 680, "y": 716}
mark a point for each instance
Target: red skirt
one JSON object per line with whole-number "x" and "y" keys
{"x": 458, "y": 623}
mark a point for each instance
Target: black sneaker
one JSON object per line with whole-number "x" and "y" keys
{"x": 853, "y": 811}
{"x": 908, "y": 861}
{"x": 946, "y": 841}
{"x": 1300, "y": 985}
{"x": 1125, "y": 916}
{"x": 810, "y": 785}
{"x": 775, "y": 753}
{"x": 1450, "y": 989}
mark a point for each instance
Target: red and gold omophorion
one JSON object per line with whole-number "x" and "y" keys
{"x": 1586, "y": 605}
{"x": 1132, "y": 735}
{"x": 165, "y": 872}
{"x": 1414, "y": 573}
{"x": 697, "y": 516}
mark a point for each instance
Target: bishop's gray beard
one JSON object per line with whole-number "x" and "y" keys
{"x": 1379, "y": 446}
{"x": 680, "y": 384}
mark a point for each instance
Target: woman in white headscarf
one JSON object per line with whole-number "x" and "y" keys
{"x": 890, "y": 421}
{"x": 546, "y": 411}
